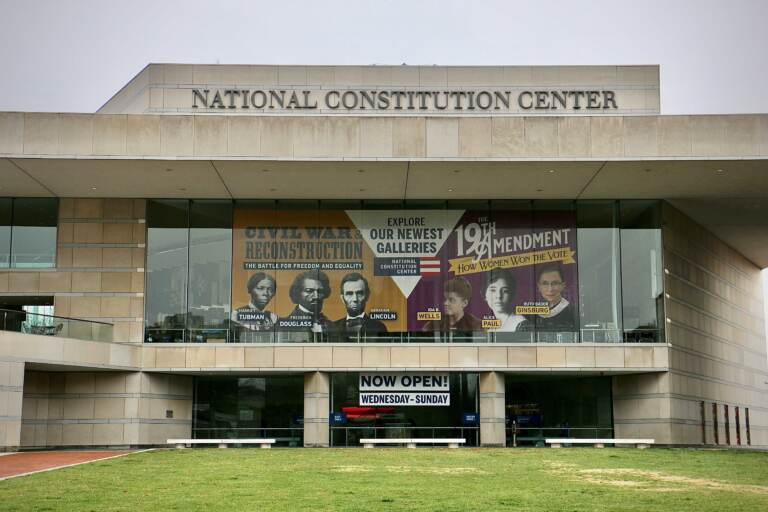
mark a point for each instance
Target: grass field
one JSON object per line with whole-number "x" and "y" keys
{"x": 571, "y": 479}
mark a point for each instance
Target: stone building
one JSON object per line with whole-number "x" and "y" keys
{"x": 192, "y": 260}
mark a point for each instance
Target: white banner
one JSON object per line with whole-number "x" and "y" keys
{"x": 406, "y": 399}
{"x": 411, "y": 381}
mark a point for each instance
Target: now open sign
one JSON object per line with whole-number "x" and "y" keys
{"x": 411, "y": 381}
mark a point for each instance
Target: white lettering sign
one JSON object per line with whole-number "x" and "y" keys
{"x": 404, "y": 382}
{"x": 406, "y": 399}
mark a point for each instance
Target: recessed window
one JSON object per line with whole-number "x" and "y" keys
{"x": 28, "y": 232}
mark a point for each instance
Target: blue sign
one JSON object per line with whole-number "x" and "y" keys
{"x": 470, "y": 418}
{"x": 401, "y": 266}
{"x": 338, "y": 418}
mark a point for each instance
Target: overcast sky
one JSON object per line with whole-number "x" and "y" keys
{"x": 62, "y": 55}
{"x": 72, "y": 56}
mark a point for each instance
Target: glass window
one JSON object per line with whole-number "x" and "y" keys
{"x": 641, "y": 271}
{"x": 166, "y": 282}
{"x": 250, "y": 407}
{"x": 541, "y": 407}
{"x": 33, "y": 236}
{"x": 210, "y": 264}
{"x": 403, "y": 421}
{"x": 553, "y": 271}
{"x": 599, "y": 271}
{"x": 5, "y": 233}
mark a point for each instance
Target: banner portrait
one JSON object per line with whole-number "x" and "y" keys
{"x": 352, "y": 274}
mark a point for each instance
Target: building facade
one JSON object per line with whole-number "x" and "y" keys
{"x": 319, "y": 254}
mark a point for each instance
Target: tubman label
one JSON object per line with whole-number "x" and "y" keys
{"x": 250, "y": 316}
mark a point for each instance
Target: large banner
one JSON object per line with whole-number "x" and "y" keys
{"x": 362, "y": 273}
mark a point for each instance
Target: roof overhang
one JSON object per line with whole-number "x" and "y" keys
{"x": 713, "y": 168}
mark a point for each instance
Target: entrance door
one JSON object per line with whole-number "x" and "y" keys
{"x": 355, "y": 415}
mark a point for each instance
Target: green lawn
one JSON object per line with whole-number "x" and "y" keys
{"x": 569, "y": 479}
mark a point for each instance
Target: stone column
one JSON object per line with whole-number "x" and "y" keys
{"x": 642, "y": 409}
{"x": 11, "y": 394}
{"x": 492, "y": 425}
{"x": 158, "y": 394}
{"x": 317, "y": 390}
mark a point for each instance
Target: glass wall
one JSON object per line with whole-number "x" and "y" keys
{"x": 5, "y": 232}
{"x": 210, "y": 265}
{"x": 599, "y": 271}
{"x": 540, "y": 407}
{"x": 189, "y": 260}
{"x": 352, "y": 422}
{"x": 393, "y": 271}
{"x": 250, "y": 407}
{"x": 642, "y": 271}
{"x": 167, "y": 271}
{"x": 28, "y": 232}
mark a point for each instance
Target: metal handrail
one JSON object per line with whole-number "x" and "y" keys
{"x": 3, "y": 310}
{"x": 52, "y": 325}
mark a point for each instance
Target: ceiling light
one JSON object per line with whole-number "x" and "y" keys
{"x": 182, "y": 189}
{"x": 93, "y": 188}
{"x": 450, "y": 190}
{"x": 719, "y": 171}
{"x": 551, "y": 171}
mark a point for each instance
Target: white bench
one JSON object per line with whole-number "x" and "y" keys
{"x": 182, "y": 443}
{"x": 411, "y": 443}
{"x": 558, "y": 442}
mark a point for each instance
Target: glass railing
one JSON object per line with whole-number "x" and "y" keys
{"x": 223, "y": 335}
{"x": 49, "y": 325}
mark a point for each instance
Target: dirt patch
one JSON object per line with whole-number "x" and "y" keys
{"x": 412, "y": 469}
{"x": 449, "y": 471}
{"x": 353, "y": 469}
{"x": 645, "y": 480}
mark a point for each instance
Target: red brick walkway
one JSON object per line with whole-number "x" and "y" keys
{"x": 29, "y": 462}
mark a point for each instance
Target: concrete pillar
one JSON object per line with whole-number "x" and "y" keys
{"x": 317, "y": 390}
{"x": 492, "y": 396}
{"x": 160, "y": 393}
{"x": 11, "y": 394}
{"x": 642, "y": 409}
